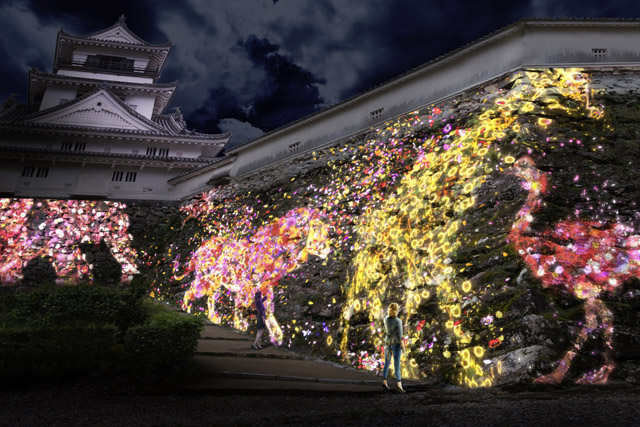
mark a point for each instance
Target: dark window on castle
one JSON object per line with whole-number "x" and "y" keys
{"x": 294, "y": 146}
{"x": 599, "y": 53}
{"x": 131, "y": 177}
{"x": 376, "y": 114}
{"x": 71, "y": 146}
{"x": 117, "y": 176}
{"x": 28, "y": 171}
{"x": 42, "y": 172}
{"x": 155, "y": 151}
{"x": 109, "y": 62}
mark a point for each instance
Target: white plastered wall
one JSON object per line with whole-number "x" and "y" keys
{"x": 54, "y": 95}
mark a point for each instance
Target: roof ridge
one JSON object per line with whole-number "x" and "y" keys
{"x": 180, "y": 126}
{"x": 65, "y": 34}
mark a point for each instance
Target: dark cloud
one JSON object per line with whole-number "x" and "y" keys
{"x": 16, "y": 84}
{"x": 89, "y": 16}
{"x": 406, "y": 36}
{"x": 221, "y": 103}
{"x": 287, "y": 92}
{"x": 290, "y": 92}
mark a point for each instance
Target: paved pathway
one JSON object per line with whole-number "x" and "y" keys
{"x": 225, "y": 360}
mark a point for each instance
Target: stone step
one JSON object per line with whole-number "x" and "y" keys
{"x": 225, "y": 360}
{"x": 207, "y": 384}
{"x": 270, "y": 377}
{"x": 276, "y": 367}
{"x": 247, "y": 355}
{"x": 241, "y": 348}
{"x": 218, "y": 332}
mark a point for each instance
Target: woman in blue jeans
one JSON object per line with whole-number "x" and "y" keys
{"x": 393, "y": 345}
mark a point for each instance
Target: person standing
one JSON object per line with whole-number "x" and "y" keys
{"x": 393, "y": 346}
{"x": 260, "y": 316}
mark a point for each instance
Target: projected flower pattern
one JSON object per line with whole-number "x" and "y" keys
{"x": 394, "y": 204}
{"x": 243, "y": 266}
{"x": 587, "y": 258}
{"x": 55, "y": 229}
{"x": 408, "y": 242}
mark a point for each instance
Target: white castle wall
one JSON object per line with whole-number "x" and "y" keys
{"x": 55, "y": 94}
{"x": 143, "y": 104}
{"x": 68, "y": 180}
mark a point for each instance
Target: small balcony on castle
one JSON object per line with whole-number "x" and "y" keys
{"x": 109, "y": 64}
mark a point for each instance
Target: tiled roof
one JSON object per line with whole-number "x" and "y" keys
{"x": 169, "y": 125}
{"x": 175, "y": 124}
{"x": 196, "y": 170}
{"x": 14, "y": 112}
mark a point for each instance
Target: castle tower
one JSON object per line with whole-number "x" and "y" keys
{"x": 95, "y": 127}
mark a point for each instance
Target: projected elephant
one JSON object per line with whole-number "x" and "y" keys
{"x": 56, "y": 229}
{"x": 242, "y": 266}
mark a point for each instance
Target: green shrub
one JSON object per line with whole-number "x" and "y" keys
{"x": 35, "y": 354}
{"x": 164, "y": 344}
{"x": 61, "y": 332}
{"x": 73, "y": 305}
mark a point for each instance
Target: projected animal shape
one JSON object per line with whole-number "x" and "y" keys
{"x": 56, "y": 229}
{"x": 585, "y": 258}
{"x": 242, "y": 266}
{"x": 408, "y": 245}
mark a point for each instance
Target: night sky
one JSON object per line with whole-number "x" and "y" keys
{"x": 250, "y": 66}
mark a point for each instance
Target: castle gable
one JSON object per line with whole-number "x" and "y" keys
{"x": 100, "y": 109}
{"x": 117, "y": 33}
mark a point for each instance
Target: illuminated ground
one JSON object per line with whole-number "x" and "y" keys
{"x": 206, "y": 399}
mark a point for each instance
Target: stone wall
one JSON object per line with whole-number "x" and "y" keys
{"x": 439, "y": 212}
{"x": 504, "y": 222}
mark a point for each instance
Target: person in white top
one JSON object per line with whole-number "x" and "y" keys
{"x": 393, "y": 346}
